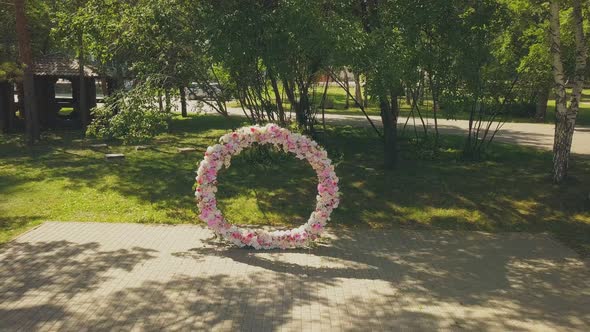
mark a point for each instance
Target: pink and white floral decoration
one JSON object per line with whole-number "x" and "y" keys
{"x": 219, "y": 156}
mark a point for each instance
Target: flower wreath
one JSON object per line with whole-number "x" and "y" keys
{"x": 219, "y": 155}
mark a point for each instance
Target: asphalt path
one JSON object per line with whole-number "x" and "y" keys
{"x": 529, "y": 134}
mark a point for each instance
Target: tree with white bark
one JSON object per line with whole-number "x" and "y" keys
{"x": 566, "y": 114}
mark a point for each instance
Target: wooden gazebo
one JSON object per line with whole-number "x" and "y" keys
{"x": 47, "y": 72}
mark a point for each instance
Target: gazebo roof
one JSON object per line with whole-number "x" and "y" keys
{"x": 60, "y": 66}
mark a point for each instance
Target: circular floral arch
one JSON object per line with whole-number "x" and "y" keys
{"x": 219, "y": 155}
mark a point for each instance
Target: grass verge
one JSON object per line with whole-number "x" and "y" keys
{"x": 63, "y": 179}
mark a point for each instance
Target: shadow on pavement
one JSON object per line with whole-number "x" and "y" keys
{"x": 357, "y": 279}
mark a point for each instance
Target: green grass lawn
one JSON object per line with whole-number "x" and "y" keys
{"x": 63, "y": 179}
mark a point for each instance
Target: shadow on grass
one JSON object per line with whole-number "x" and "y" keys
{"x": 509, "y": 191}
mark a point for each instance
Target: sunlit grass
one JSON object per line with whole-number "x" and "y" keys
{"x": 64, "y": 179}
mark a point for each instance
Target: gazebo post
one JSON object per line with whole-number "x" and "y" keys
{"x": 52, "y": 108}
{"x": 90, "y": 95}
{"x": 5, "y": 94}
{"x": 11, "y": 108}
{"x": 42, "y": 100}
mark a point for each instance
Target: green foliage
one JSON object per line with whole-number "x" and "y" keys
{"x": 261, "y": 43}
{"x": 10, "y": 71}
{"x": 131, "y": 116}
{"x": 524, "y": 44}
{"x": 470, "y": 56}
{"x": 7, "y": 33}
{"x": 37, "y": 12}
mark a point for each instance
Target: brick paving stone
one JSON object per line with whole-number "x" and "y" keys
{"x": 130, "y": 277}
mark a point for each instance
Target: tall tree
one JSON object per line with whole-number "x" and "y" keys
{"x": 82, "y": 93}
{"x": 566, "y": 115}
{"x": 347, "y": 87}
{"x": 265, "y": 45}
{"x": 385, "y": 66}
{"x": 26, "y": 57}
{"x": 524, "y": 43}
{"x": 358, "y": 95}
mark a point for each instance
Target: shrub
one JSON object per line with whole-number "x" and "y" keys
{"x": 522, "y": 110}
{"x": 131, "y": 116}
{"x": 329, "y": 103}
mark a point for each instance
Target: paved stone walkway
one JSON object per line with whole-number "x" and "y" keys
{"x": 93, "y": 276}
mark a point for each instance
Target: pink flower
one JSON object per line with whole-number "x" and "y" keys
{"x": 219, "y": 155}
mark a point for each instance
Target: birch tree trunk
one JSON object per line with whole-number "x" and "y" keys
{"x": 346, "y": 83}
{"x": 357, "y": 90}
{"x": 565, "y": 116}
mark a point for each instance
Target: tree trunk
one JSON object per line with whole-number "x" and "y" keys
{"x": 182, "y": 94}
{"x": 470, "y": 141}
{"x": 103, "y": 87}
{"x": 435, "y": 111}
{"x": 301, "y": 110}
{"x": 278, "y": 100}
{"x": 581, "y": 58}
{"x": 160, "y": 101}
{"x": 358, "y": 95}
{"x": 26, "y": 57}
{"x": 168, "y": 100}
{"x": 12, "y": 110}
{"x": 324, "y": 95}
{"x": 296, "y": 105}
{"x": 435, "y": 106}
{"x": 347, "y": 102}
{"x": 408, "y": 92}
{"x": 82, "y": 98}
{"x": 290, "y": 93}
{"x": 565, "y": 116}
{"x": 365, "y": 93}
{"x": 541, "y": 107}
{"x": 6, "y": 93}
{"x": 389, "y": 113}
